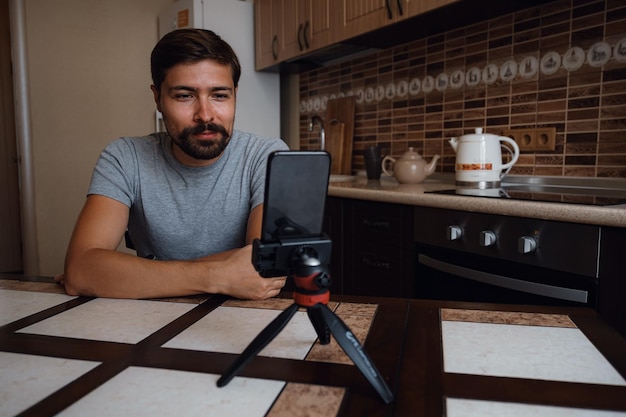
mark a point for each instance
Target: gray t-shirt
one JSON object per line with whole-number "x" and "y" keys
{"x": 182, "y": 212}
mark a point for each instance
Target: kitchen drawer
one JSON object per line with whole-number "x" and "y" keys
{"x": 382, "y": 270}
{"x": 382, "y": 222}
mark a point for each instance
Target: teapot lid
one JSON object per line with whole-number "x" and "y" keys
{"x": 411, "y": 154}
{"x": 479, "y": 133}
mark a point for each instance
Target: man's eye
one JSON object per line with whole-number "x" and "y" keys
{"x": 183, "y": 96}
{"x": 220, "y": 96}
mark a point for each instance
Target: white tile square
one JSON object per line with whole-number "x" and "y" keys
{"x": 231, "y": 329}
{"x": 27, "y": 379}
{"x": 138, "y": 391}
{"x": 534, "y": 352}
{"x": 125, "y": 321}
{"x": 457, "y": 407}
{"x": 15, "y": 305}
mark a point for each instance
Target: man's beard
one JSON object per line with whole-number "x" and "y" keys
{"x": 202, "y": 149}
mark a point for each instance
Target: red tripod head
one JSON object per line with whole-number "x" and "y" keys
{"x": 312, "y": 281}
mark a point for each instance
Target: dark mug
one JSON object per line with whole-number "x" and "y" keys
{"x": 373, "y": 162}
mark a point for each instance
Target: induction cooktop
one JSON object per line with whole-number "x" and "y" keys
{"x": 546, "y": 193}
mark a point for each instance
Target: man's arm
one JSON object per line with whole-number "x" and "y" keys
{"x": 94, "y": 267}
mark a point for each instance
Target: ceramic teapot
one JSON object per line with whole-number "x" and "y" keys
{"x": 479, "y": 158}
{"x": 410, "y": 168}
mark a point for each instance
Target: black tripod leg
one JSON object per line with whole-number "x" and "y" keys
{"x": 263, "y": 339}
{"x": 319, "y": 324}
{"x": 350, "y": 344}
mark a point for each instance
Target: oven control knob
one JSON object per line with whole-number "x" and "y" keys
{"x": 487, "y": 238}
{"x": 455, "y": 232}
{"x": 526, "y": 244}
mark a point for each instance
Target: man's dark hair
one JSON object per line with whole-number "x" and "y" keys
{"x": 189, "y": 46}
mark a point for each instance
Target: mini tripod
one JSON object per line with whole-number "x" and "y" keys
{"x": 312, "y": 281}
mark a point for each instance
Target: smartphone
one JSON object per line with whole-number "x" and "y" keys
{"x": 296, "y": 185}
{"x": 295, "y": 197}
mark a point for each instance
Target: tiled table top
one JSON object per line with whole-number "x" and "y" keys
{"x": 124, "y": 321}
{"x": 478, "y": 408}
{"x": 27, "y": 379}
{"x": 13, "y": 308}
{"x": 162, "y": 392}
{"x": 146, "y": 390}
{"x": 212, "y": 333}
{"x": 521, "y": 345}
{"x": 72, "y": 356}
{"x": 532, "y": 346}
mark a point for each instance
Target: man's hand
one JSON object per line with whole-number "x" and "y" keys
{"x": 60, "y": 279}
{"x": 243, "y": 281}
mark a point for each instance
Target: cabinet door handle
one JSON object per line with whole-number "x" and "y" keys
{"x": 389, "y": 12}
{"x": 275, "y": 47}
{"x": 305, "y": 33}
{"x": 399, "y": 2}
{"x": 378, "y": 224}
{"x": 374, "y": 263}
{"x": 300, "y": 36}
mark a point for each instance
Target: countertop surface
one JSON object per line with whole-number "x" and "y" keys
{"x": 64, "y": 355}
{"x": 388, "y": 190}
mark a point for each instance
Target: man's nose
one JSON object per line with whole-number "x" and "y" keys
{"x": 204, "y": 111}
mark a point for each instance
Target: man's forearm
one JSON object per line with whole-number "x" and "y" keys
{"x": 108, "y": 273}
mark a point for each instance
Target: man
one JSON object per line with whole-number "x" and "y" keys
{"x": 191, "y": 199}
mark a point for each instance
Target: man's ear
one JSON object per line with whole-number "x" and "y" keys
{"x": 157, "y": 96}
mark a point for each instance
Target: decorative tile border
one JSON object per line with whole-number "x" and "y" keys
{"x": 507, "y": 317}
{"x": 527, "y": 68}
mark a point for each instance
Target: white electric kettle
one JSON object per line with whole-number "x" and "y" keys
{"x": 479, "y": 159}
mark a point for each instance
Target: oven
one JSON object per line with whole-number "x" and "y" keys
{"x": 477, "y": 257}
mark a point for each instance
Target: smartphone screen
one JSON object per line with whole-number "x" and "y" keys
{"x": 295, "y": 194}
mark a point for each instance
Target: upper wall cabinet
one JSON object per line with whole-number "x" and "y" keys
{"x": 289, "y": 28}
{"x": 306, "y": 26}
{"x": 267, "y": 32}
{"x": 362, "y": 16}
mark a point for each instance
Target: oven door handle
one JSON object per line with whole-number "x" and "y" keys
{"x": 506, "y": 282}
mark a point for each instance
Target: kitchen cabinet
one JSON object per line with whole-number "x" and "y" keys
{"x": 333, "y": 227}
{"x": 362, "y": 16}
{"x": 612, "y": 285}
{"x": 307, "y": 26}
{"x": 289, "y": 28}
{"x": 267, "y": 32}
{"x": 378, "y": 249}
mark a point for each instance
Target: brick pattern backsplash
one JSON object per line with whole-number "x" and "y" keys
{"x": 421, "y": 93}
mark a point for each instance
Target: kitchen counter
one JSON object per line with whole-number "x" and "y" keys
{"x": 82, "y": 356}
{"x": 388, "y": 190}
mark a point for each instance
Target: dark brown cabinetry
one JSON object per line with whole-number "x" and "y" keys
{"x": 612, "y": 282}
{"x": 362, "y": 16}
{"x": 288, "y": 28}
{"x": 375, "y": 254}
{"x": 333, "y": 227}
{"x": 373, "y": 248}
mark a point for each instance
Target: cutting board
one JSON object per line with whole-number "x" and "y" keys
{"x": 334, "y": 145}
{"x": 339, "y": 134}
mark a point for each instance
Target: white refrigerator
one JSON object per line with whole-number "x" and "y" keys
{"x": 258, "y": 96}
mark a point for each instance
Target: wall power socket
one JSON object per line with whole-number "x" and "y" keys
{"x": 533, "y": 139}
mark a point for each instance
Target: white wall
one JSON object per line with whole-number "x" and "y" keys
{"x": 89, "y": 78}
